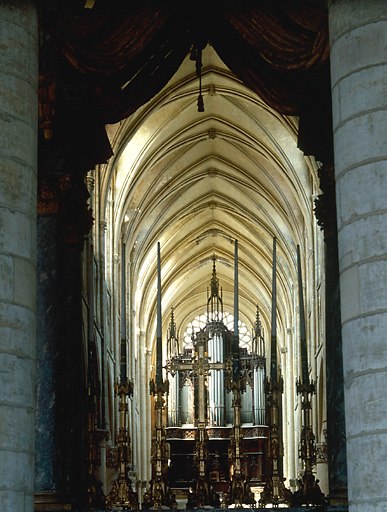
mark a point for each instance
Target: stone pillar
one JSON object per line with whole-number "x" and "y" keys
{"x": 358, "y": 37}
{"x": 18, "y": 163}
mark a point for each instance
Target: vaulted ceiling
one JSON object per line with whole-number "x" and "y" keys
{"x": 195, "y": 181}
{"x": 198, "y": 181}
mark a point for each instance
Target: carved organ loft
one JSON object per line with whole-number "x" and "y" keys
{"x": 184, "y": 395}
{"x": 218, "y": 433}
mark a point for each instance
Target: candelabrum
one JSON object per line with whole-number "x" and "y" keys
{"x": 159, "y": 495}
{"x": 274, "y": 492}
{"x": 122, "y": 494}
{"x": 202, "y": 492}
{"x": 239, "y": 492}
{"x": 95, "y": 497}
{"x": 309, "y": 492}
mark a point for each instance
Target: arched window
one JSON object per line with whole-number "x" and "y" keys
{"x": 228, "y": 319}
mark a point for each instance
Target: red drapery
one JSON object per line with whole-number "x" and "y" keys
{"x": 127, "y": 51}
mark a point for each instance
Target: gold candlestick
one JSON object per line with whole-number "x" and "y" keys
{"x": 309, "y": 492}
{"x": 122, "y": 494}
{"x": 159, "y": 495}
{"x": 274, "y": 491}
{"x": 239, "y": 492}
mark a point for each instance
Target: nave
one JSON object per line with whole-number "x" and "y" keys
{"x": 125, "y": 126}
{"x": 206, "y": 194}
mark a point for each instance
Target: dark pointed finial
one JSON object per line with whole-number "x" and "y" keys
{"x": 200, "y": 101}
{"x": 236, "y": 286}
{"x": 258, "y": 342}
{"x": 198, "y": 58}
{"x": 172, "y": 325}
{"x": 214, "y": 300}
{"x": 123, "y": 350}
{"x": 159, "y": 349}
{"x": 273, "y": 355}
{"x": 236, "y": 316}
{"x": 172, "y": 340}
{"x": 257, "y": 322}
{"x": 214, "y": 279}
{"x": 304, "y": 350}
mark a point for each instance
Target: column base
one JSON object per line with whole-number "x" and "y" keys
{"x": 46, "y": 501}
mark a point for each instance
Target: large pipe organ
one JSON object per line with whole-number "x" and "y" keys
{"x": 186, "y": 365}
{"x": 223, "y": 430}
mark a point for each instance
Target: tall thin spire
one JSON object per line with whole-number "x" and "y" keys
{"x": 236, "y": 297}
{"x": 258, "y": 343}
{"x": 123, "y": 356}
{"x": 273, "y": 356}
{"x": 172, "y": 340}
{"x": 214, "y": 297}
{"x": 159, "y": 354}
{"x": 236, "y": 317}
{"x": 304, "y": 350}
{"x": 214, "y": 279}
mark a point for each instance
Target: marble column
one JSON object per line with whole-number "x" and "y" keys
{"x": 358, "y": 38}
{"x": 50, "y": 361}
{"x": 63, "y": 221}
{"x": 337, "y": 453}
{"x": 18, "y": 167}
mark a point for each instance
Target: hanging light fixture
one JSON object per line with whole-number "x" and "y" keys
{"x": 196, "y": 55}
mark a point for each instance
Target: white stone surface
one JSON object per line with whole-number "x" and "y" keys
{"x": 345, "y": 15}
{"x": 371, "y": 244}
{"x": 362, "y": 141}
{"x": 367, "y": 91}
{"x": 358, "y": 34}
{"x": 16, "y": 334}
{"x": 361, "y": 356}
{"x": 350, "y": 293}
{"x": 359, "y": 48}
{"x": 18, "y": 168}
{"x": 366, "y": 459}
{"x": 370, "y": 391}
{"x": 364, "y": 194}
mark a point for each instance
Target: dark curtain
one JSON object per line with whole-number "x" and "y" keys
{"x": 125, "y": 52}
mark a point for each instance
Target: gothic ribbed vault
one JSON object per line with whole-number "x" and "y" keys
{"x": 195, "y": 182}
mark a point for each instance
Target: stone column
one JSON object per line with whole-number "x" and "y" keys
{"x": 358, "y": 37}
{"x": 18, "y": 164}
